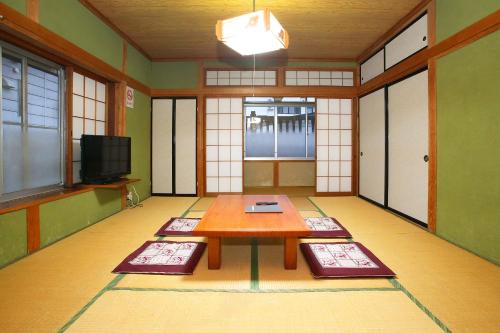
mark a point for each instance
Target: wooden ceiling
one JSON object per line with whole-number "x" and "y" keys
{"x": 318, "y": 29}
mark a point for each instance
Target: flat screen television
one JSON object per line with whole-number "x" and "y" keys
{"x": 104, "y": 158}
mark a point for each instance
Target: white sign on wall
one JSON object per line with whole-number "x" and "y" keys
{"x": 130, "y": 97}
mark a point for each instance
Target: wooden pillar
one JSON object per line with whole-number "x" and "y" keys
{"x": 33, "y": 228}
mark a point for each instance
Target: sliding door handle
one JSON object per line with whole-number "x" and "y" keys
{"x": 426, "y": 158}
{"x": 361, "y": 153}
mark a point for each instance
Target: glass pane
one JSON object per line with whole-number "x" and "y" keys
{"x": 11, "y": 125}
{"x": 259, "y": 131}
{"x": 43, "y": 135}
{"x": 43, "y": 98}
{"x": 44, "y": 151}
{"x": 292, "y": 131}
{"x": 311, "y": 135}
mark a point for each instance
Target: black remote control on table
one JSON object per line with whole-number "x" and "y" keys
{"x": 266, "y": 203}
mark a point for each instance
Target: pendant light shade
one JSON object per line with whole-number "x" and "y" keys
{"x": 252, "y": 33}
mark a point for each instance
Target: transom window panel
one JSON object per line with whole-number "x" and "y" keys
{"x": 334, "y": 145}
{"x": 240, "y": 78}
{"x": 224, "y": 145}
{"x": 279, "y": 128}
{"x": 89, "y": 114}
{"x": 31, "y": 157}
{"x": 319, "y": 78}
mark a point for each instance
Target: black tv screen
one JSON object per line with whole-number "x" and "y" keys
{"x": 104, "y": 158}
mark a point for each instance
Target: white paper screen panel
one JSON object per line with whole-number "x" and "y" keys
{"x": 240, "y": 78}
{"x": 408, "y": 144}
{"x": 224, "y": 145}
{"x": 89, "y": 114}
{"x": 372, "y": 146}
{"x": 185, "y": 146}
{"x": 162, "y": 146}
{"x": 334, "y": 145}
{"x": 372, "y": 67}
{"x": 408, "y": 42}
{"x": 319, "y": 78}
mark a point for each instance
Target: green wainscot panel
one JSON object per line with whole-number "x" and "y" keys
{"x": 61, "y": 218}
{"x": 13, "y": 236}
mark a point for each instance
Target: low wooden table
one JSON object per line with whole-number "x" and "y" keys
{"x": 226, "y": 217}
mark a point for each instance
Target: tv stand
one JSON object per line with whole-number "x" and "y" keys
{"x": 118, "y": 184}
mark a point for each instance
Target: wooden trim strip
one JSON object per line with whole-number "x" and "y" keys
{"x": 432, "y": 168}
{"x": 333, "y": 92}
{"x": 33, "y": 228}
{"x": 379, "y": 43}
{"x": 32, "y": 9}
{"x": 26, "y": 30}
{"x": 124, "y": 57}
{"x": 481, "y": 28}
{"x": 110, "y": 24}
{"x": 69, "y": 128}
{"x": 24, "y": 203}
{"x": 262, "y": 58}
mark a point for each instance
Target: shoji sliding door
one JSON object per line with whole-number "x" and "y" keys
{"x": 161, "y": 146}
{"x": 372, "y": 146}
{"x": 224, "y": 145}
{"x": 408, "y": 146}
{"x": 334, "y": 145}
{"x": 173, "y": 146}
{"x": 185, "y": 146}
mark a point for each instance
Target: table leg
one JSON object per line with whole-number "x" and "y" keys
{"x": 290, "y": 253}
{"x": 214, "y": 252}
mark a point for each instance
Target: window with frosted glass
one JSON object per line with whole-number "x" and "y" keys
{"x": 89, "y": 114}
{"x": 31, "y": 118}
{"x": 279, "y": 127}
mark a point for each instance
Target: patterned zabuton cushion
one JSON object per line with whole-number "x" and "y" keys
{"x": 327, "y": 227}
{"x": 163, "y": 257}
{"x": 343, "y": 260}
{"x": 178, "y": 226}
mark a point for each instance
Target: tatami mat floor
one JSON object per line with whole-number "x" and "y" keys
{"x": 68, "y": 286}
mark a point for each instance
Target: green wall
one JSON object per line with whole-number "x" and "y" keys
{"x": 455, "y": 15}
{"x": 468, "y": 115}
{"x": 13, "y": 237}
{"x": 138, "y": 66}
{"x": 73, "y": 21}
{"x": 66, "y": 216}
{"x": 174, "y": 75}
{"x": 139, "y": 128}
{"x": 19, "y": 5}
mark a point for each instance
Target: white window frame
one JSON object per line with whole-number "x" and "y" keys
{"x": 28, "y": 58}
{"x": 276, "y": 158}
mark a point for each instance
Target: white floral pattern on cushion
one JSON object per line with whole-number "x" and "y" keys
{"x": 165, "y": 254}
{"x": 322, "y": 224}
{"x": 341, "y": 256}
{"x": 183, "y": 224}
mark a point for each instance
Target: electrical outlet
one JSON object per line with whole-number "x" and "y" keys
{"x": 129, "y": 196}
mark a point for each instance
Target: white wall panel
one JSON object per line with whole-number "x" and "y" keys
{"x": 372, "y": 146}
{"x": 408, "y": 144}
{"x": 411, "y": 40}
{"x": 372, "y": 67}
{"x": 162, "y": 146}
{"x": 185, "y": 146}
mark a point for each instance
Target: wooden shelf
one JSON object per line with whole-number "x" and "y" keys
{"x": 23, "y": 203}
{"x": 115, "y": 185}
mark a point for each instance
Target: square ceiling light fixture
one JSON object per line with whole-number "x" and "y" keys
{"x": 252, "y": 33}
